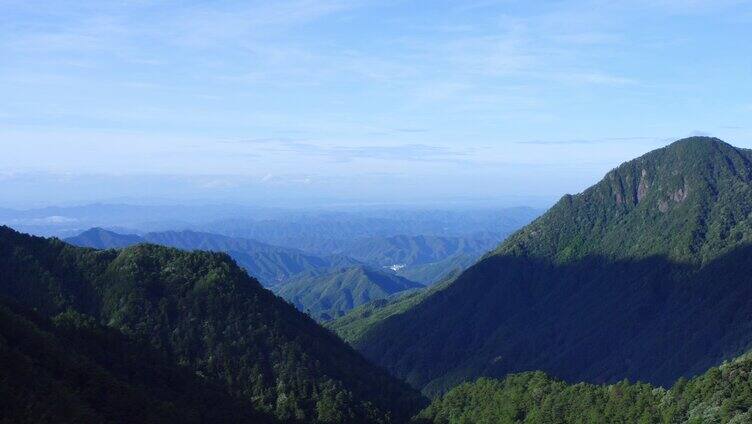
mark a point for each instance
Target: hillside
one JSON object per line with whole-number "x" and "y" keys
{"x": 331, "y": 295}
{"x": 202, "y": 310}
{"x": 362, "y": 319}
{"x": 422, "y": 258}
{"x": 721, "y": 395}
{"x": 433, "y": 272}
{"x": 603, "y": 286}
{"x": 270, "y": 264}
{"x": 420, "y": 249}
{"x": 70, "y": 369}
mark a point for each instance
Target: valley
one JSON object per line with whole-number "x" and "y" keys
{"x": 553, "y": 323}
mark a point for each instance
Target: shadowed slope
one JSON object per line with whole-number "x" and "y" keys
{"x": 71, "y": 369}
{"x": 203, "y": 310}
{"x": 645, "y": 275}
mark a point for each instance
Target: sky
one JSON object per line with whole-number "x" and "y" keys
{"x": 302, "y": 102}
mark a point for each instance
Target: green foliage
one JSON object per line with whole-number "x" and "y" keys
{"x": 74, "y": 370}
{"x": 689, "y": 201}
{"x": 434, "y": 272}
{"x": 604, "y": 286}
{"x": 270, "y": 264}
{"x": 202, "y": 311}
{"x": 423, "y": 258}
{"x": 721, "y": 395}
{"x": 416, "y": 250}
{"x": 359, "y": 321}
{"x": 331, "y": 295}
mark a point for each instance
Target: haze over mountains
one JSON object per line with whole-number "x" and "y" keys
{"x": 344, "y": 273}
{"x": 270, "y": 264}
{"x": 346, "y": 212}
{"x": 645, "y": 276}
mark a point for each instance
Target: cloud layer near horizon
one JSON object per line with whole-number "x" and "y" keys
{"x": 396, "y": 98}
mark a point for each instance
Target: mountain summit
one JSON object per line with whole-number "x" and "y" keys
{"x": 689, "y": 201}
{"x": 646, "y": 275}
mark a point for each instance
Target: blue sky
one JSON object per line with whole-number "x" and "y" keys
{"x": 300, "y": 102}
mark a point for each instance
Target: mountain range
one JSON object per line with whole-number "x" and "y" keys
{"x": 200, "y": 312}
{"x": 328, "y": 232}
{"x": 325, "y": 286}
{"x": 645, "y": 275}
{"x": 331, "y": 295}
{"x": 422, "y": 258}
{"x": 270, "y": 264}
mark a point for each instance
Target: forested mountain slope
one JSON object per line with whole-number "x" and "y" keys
{"x": 333, "y": 294}
{"x": 270, "y": 264}
{"x": 422, "y": 258}
{"x": 359, "y": 321}
{"x": 720, "y": 395}
{"x": 207, "y": 314}
{"x": 71, "y": 369}
{"x": 99, "y": 238}
{"x": 646, "y": 275}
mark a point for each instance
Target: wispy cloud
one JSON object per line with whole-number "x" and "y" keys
{"x": 415, "y": 152}
{"x": 591, "y": 141}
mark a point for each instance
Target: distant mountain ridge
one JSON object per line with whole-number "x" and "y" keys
{"x": 325, "y": 287}
{"x": 326, "y": 233}
{"x": 643, "y": 276}
{"x": 331, "y": 295}
{"x": 270, "y": 264}
{"x": 420, "y": 249}
{"x": 206, "y": 314}
{"x": 99, "y": 238}
{"x": 422, "y": 258}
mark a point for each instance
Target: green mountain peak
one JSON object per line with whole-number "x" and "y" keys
{"x": 682, "y": 201}
{"x": 603, "y": 286}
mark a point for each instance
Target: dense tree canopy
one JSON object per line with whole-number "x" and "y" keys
{"x": 603, "y": 286}
{"x": 721, "y": 395}
{"x": 332, "y": 294}
{"x": 71, "y": 369}
{"x": 204, "y": 312}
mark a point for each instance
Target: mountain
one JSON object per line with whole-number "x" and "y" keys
{"x": 357, "y": 322}
{"x": 720, "y": 395}
{"x": 331, "y": 295}
{"x": 270, "y": 264}
{"x": 646, "y": 275}
{"x": 325, "y": 233}
{"x": 430, "y": 273}
{"x": 420, "y": 249}
{"x": 423, "y": 258}
{"x": 71, "y": 369}
{"x": 99, "y": 238}
{"x": 206, "y": 314}
{"x": 66, "y": 221}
